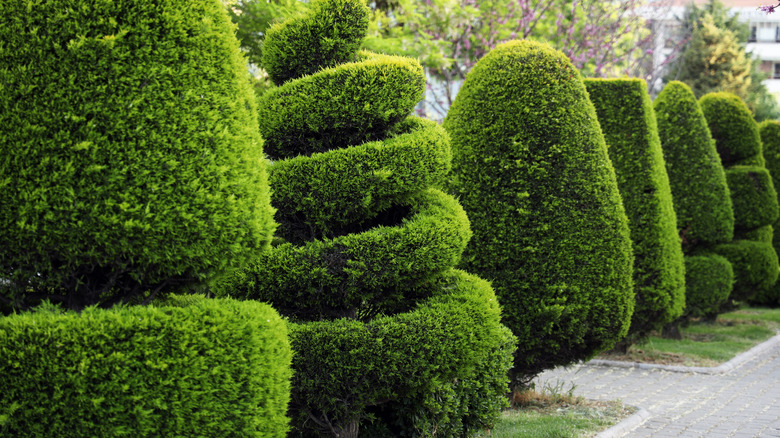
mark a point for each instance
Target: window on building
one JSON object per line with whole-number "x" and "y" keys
{"x": 764, "y": 32}
{"x": 752, "y": 37}
{"x": 776, "y": 74}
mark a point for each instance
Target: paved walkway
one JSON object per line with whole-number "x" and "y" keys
{"x": 741, "y": 402}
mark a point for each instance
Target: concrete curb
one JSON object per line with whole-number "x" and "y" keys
{"x": 720, "y": 369}
{"x": 624, "y": 427}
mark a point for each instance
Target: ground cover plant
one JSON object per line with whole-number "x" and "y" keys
{"x": 770, "y": 139}
{"x": 124, "y": 173}
{"x": 753, "y": 194}
{"x": 700, "y": 196}
{"x": 389, "y": 339}
{"x": 555, "y": 412}
{"x": 706, "y": 342}
{"x": 531, "y": 169}
{"x": 627, "y": 120}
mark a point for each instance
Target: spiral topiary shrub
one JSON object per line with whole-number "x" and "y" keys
{"x": 189, "y": 367}
{"x": 530, "y": 167}
{"x": 770, "y": 139}
{"x": 701, "y": 197}
{"x": 132, "y": 162}
{"x": 733, "y": 128}
{"x": 753, "y": 195}
{"x": 627, "y": 120}
{"x": 389, "y": 339}
{"x": 709, "y": 279}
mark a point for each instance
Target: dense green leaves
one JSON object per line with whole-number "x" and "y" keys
{"x": 700, "y": 194}
{"x": 628, "y": 122}
{"x": 131, "y": 158}
{"x": 709, "y": 279}
{"x": 753, "y": 196}
{"x": 770, "y": 138}
{"x": 530, "y": 167}
{"x": 733, "y": 128}
{"x": 193, "y": 367}
{"x": 755, "y": 266}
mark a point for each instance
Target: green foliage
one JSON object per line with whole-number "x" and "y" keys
{"x": 132, "y": 161}
{"x": 341, "y": 106}
{"x": 732, "y": 126}
{"x": 755, "y": 267}
{"x": 715, "y": 58}
{"x": 709, "y": 279}
{"x": 627, "y": 120}
{"x": 700, "y": 193}
{"x": 329, "y": 33}
{"x": 770, "y": 138}
{"x": 753, "y": 196}
{"x": 194, "y": 367}
{"x": 531, "y": 169}
{"x": 761, "y": 234}
{"x": 406, "y": 359}
{"x": 254, "y": 17}
{"x": 389, "y": 340}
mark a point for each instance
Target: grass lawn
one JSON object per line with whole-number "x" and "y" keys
{"x": 551, "y": 414}
{"x": 708, "y": 343}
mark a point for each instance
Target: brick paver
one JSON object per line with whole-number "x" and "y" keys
{"x": 743, "y": 402}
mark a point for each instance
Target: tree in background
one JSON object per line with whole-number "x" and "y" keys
{"x": 715, "y": 59}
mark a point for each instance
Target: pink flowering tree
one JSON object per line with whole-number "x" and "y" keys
{"x": 602, "y": 39}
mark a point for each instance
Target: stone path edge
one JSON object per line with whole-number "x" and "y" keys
{"x": 720, "y": 369}
{"x": 627, "y": 425}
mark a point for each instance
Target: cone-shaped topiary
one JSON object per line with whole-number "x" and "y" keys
{"x": 753, "y": 194}
{"x": 131, "y": 158}
{"x": 530, "y": 167}
{"x": 770, "y": 139}
{"x": 627, "y": 120}
{"x": 382, "y": 327}
{"x": 700, "y": 195}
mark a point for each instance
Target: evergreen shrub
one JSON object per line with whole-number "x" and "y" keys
{"x": 132, "y": 161}
{"x": 709, "y": 279}
{"x": 753, "y": 196}
{"x": 733, "y": 128}
{"x": 191, "y": 367}
{"x": 770, "y": 139}
{"x": 755, "y": 267}
{"x": 627, "y": 120}
{"x": 389, "y": 339}
{"x": 700, "y": 193}
{"x": 531, "y": 169}
{"x": 761, "y": 234}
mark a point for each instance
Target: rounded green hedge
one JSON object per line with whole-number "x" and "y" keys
{"x": 531, "y": 169}
{"x": 132, "y": 161}
{"x": 755, "y": 267}
{"x": 709, "y": 279}
{"x": 770, "y": 138}
{"x": 627, "y": 120}
{"x": 700, "y": 193}
{"x": 188, "y": 367}
{"x": 763, "y": 234}
{"x": 753, "y": 196}
{"x": 732, "y": 126}
{"x": 388, "y": 339}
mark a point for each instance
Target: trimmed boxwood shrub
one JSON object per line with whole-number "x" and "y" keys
{"x": 752, "y": 192}
{"x": 709, "y": 279}
{"x": 762, "y": 234}
{"x": 389, "y": 339}
{"x": 700, "y": 194}
{"x": 192, "y": 367}
{"x": 733, "y": 128}
{"x": 755, "y": 267}
{"x": 132, "y": 161}
{"x": 753, "y": 196}
{"x": 530, "y": 167}
{"x": 770, "y": 139}
{"x": 627, "y": 120}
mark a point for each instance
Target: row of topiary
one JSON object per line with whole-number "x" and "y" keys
{"x": 151, "y": 179}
